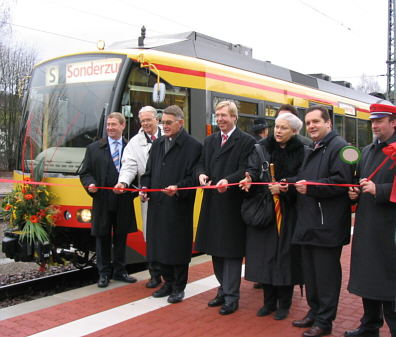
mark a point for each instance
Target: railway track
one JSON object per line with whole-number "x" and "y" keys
{"x": 49, "y": 285}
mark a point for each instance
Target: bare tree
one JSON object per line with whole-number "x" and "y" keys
{"x": 16, "y": 62}
{"x": 5, "y": 13}
{"x": 368, "y": 84}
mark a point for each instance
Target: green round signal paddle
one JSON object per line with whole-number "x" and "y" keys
{"x": 350, "y": 154}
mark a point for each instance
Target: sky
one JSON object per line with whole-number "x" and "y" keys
{"x": 341, "y": 38}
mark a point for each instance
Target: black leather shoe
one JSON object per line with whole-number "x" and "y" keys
{"x": 165, "y": 290}
{"x": 230, "y": 308}
{"x": 316, "y": 331}
{"x": 216, "y": 302}
{"x": 306, "y": 322}
{"x": 103, "y": 281}
{"x": 281, "y": 314}
{"x": 124, "y": 278}
{"x": 265, "y": 311}
{"x": 153, "y": 283}
{"x": 361, "y": 332}
{"x": 176, "y": 297}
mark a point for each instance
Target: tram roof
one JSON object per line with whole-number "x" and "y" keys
{"x": 204, "y": 47}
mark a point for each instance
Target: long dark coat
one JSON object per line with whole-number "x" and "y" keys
{"x": 373, "y": 259}
{"x": 271, "y": 258}
{"x": 170, "y": 219}
{"x": 324, "y": 212}
{"x": 94, "y": 170}
{"x": 221, "y": 230}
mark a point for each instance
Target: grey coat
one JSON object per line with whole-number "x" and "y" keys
{"x": 373, "y": 259}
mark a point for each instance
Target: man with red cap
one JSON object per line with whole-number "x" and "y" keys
{"x": 373, "y": 258}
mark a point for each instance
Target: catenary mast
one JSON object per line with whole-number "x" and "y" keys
{"x": 391, "y": 73}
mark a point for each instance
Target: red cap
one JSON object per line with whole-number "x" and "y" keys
{"x": 382, "y": 110}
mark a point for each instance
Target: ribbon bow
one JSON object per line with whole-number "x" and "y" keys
{"x": 390, "y": 153}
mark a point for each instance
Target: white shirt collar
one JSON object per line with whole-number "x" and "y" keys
{"x": 111, "y": 140}
{"x": 228, "y": 133}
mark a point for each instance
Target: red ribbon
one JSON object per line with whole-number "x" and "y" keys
{"x": 11, "y": 181}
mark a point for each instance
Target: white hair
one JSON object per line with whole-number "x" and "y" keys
{"x": 294, "y": 122}
{"x": 149, "y": 108}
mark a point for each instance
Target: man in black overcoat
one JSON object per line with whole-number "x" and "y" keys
{"x": 169, "y": 234}
{"x": 323, "y": 221}
{"x": 373, "y": 257}
{"x": 221, "y": 230}
{"x": 113, "y": 216}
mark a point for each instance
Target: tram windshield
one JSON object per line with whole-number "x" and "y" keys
{"x": 63, "y": 110}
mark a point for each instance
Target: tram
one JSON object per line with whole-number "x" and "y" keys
{"x": 68, "y": 98}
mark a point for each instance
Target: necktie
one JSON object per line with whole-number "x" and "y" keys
{"x": 224, "y": 138}
{"x": 153, "y": 138}
{"x": 116, "y": 155}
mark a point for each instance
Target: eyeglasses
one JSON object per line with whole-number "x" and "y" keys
{"x": 170, "y": 122}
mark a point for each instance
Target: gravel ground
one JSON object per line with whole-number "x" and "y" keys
{"x": 12, "y": 272}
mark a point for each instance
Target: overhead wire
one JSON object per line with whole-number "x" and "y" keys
{"x": 101, "y": 16}
{"x": 47, "y": 32}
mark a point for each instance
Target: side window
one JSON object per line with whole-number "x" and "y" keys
{"x": 138, "y": 92}
{"x": 270, "y": 112}
{"x": 247, "y": 112}
{"x": 339, "y": 125}
{"x": 350, "y": 131}
{"x": 365, "y": 135}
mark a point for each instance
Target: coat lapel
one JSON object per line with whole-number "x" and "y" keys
{"x": 230, "y": 143}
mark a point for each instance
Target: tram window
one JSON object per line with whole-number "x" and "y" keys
{"x": 365, "y": 135}
{"x": 244, "y": 108}
{"x": 138, "y": 93}
{"x": 249, "y": 109}
{"x": 339, "y": 125}
{"x": 271, "y": 110}
{"x": 245, "y": 123}
{"x": 350, "y": 130}
{"x": 301, "y": 115}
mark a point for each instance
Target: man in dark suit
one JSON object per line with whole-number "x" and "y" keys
{"x": 221, "y": 230}
{"x": 169, "y": 234}
{"x": 113, "y": 215}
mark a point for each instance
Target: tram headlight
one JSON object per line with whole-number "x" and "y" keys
{"x": 84, "y": 215}
{"x": 67, "y": 215}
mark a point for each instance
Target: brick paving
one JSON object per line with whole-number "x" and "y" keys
{"x": 190, "y": 318}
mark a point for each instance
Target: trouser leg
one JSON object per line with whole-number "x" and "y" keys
{"x": 269, "y": 296}
{"x": 285, "y": 295}
{"x": 231, "y": 279}
{"x": 328, "y": 276}
{"x": 119, "y": 247}
{"x": 155, "y": 270}
{"x": 372, "y": 319}
{"x": 167, "y": 273}
{"x": 218, "y": 266}
{"x": 180, "y": 273}
{"x": 390, "y": 316}
{"x": 103, "y": 255}
{"x": 309, "y": 280}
